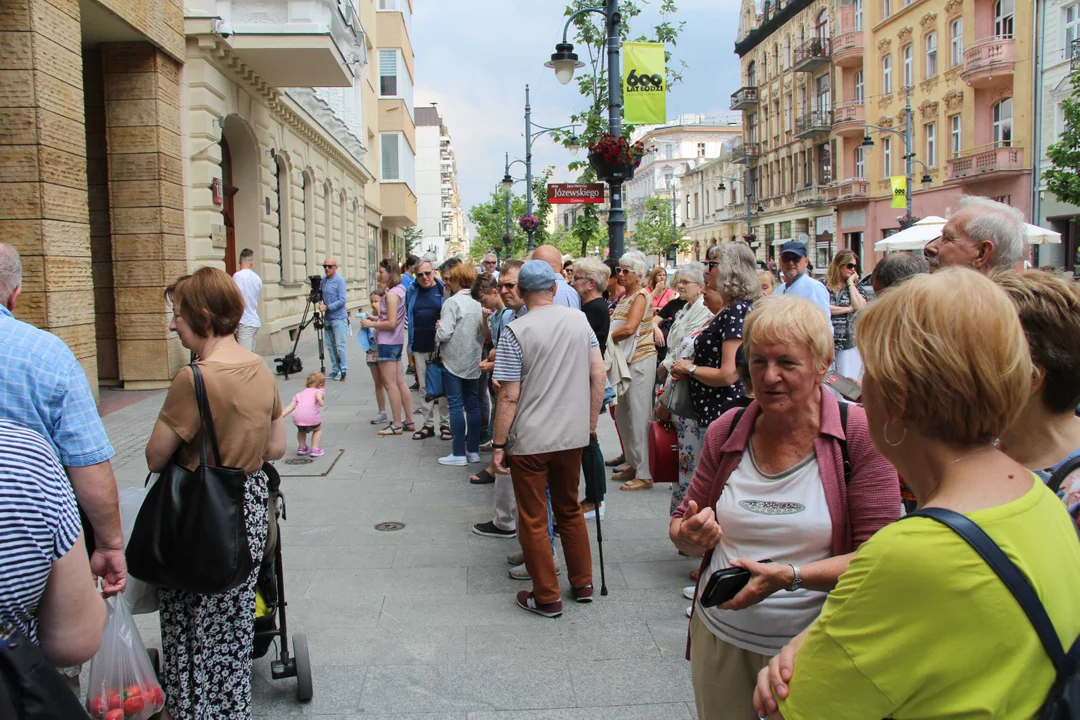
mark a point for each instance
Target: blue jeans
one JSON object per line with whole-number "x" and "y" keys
{"x": 486, "y": 419}
{"x": 461, "y": 397}
{"x": 335, "y": 345}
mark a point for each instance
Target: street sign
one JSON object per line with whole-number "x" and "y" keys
{"x": 575, "y": 193}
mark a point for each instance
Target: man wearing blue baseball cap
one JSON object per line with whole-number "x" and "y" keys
{"x": 793, "y": 264}
{"x": 551, "y": 378}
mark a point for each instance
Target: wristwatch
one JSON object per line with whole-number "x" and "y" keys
{"x": 693, "y": 369}
{"x": 797, "y": 582}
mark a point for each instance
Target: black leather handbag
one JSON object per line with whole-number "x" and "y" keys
{"x": 190, "y": 532}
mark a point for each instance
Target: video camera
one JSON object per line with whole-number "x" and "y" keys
{"x": 315, "y": 281}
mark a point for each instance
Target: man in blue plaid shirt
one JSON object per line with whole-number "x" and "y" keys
{"x": 43, "y": 387}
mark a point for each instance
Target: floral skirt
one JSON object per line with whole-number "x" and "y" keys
{"x": 207, "y": 640}
{"x": 690, "y": 436}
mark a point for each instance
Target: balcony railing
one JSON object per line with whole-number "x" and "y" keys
{"x": 813, "y": 123}
{"x": 989, "y": 61}
{"x": 812, "y": 195}
{"x": 849, "y": 118}
{"x": 850, "y": 190}
{"x": 750, "y": 152}
{"x": 848, "y": 48}
{"x": 812, "y": 54}
{"x": 744, "y": 98}
{"x": 986, "y": 159}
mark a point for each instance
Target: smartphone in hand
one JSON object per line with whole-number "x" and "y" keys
{"x": 725, "y": 584}
{"x": 848, "y": 388}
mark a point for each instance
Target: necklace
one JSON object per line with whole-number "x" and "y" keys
{"x": 207, "y": 355}
{"x": 941, "y": 472}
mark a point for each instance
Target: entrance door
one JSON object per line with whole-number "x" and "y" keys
{"x": 228, "y": 210}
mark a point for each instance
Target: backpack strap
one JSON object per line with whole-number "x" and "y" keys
{"x": 1018, "y": 585}
{"x": 843, "y": 444}
{"x": 734, "y": 421}
{"x": 1054, "y": 483}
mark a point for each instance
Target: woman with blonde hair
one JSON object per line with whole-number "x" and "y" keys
{"x": 659, "y": 291}
{"x": 919, "y": 624}
{"x": 845, "y": 299}
{"x": 768, "y": 282}
{"x": 390, "y": 335}
{"x": 460, "y": 337}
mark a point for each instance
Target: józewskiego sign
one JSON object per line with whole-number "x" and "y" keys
{"x": 575, "y": 193}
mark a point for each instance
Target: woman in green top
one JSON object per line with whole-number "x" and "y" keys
{"x": 919, "y": 626}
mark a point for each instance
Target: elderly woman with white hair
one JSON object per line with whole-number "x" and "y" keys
{"x": 633, "y": 320}
{"x": 983, "y": 234}
{"x": 774, "y": 477}
{"x": 694, "y": 316}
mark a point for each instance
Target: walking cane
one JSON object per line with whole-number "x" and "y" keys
{"x": 598, "y": 477}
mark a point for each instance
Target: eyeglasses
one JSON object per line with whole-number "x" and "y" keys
{"x": 622, "y": 271}
{"x": 489, "y": 262}
{"x": 327, "y": 267}
{"x": 712, "y": 264}
{"x": 429, "y": 273}
{"x": 507, "y": 286}
{"x": 850, "y": 266}
{"x": 578, "y": 278}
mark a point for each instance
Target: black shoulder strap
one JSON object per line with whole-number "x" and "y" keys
{"x": 734, "y": 421}
{"x": 843, "y": 443}
{"x": 205, "y": 418}
{"x": 1021, "y": 589}
{"x": 1054, "y": 483}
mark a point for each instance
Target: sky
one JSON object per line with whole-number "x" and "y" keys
{"x": 474, "y": 58}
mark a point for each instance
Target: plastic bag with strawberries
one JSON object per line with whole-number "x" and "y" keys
{"x": 123, "y": 685}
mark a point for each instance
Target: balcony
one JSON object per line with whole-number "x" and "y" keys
{"x": 297, "y": 43}
{"x": 745, "y": 98}
{"x": 813, "y": 123}
{"x": 811, "y": 196}
{"x": 398, "y": 203}
{"x": 852, "y": 190}
{"x": 986, "y": 159}
{"x": 1074, "y": 56}
{"x": 989, "y": 62}
{"x": 848, "y": 48}
{"x": 849, "y": 119}
{"x": 812, "y": 54}
{"x": 750, "y": 153}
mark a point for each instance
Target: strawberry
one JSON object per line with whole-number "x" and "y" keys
{"x": 132, "y": 691}
{"x": 96, "y": 706}
{"x": 159, "y": 696}
{"x": 133, "y": 705}
{"x": 115, "y": 703}
{"x": 114, "y": 715}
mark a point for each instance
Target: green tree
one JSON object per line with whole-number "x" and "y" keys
{"x": 589, "y": 232}
{"x": 412, "y": 238}
{"x": 489, "y": 219}
{"x": 653, "y": 233}
{"x": 1062, "y": 179}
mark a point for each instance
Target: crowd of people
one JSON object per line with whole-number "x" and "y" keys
{"x": 967, "y": 397}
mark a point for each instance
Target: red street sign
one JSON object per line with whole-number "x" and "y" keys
{"x": 575, "y": 193}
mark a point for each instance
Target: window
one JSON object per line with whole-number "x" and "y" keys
{"x": 859, "y": 87}
{"x": 956, "y": 42}
{"x": 669, "y": 151}
{"x": 751, "y": 74}
{"x": 751, "y": 128}
{"x": 931, "y": 144}
{"x": 388, "y": 84}
{"x": 701, "y": 149}
{"x": 388, "y": 4}
{"x": 787, "y": 51}
{"x": 886, "y": 74}
{"x": 765, "y": 66}
{"x": 858, "y": 14}
{"x": 821, "y": 30}
{"x": 1002, "y": 127}
{"x": 789, "y": 111}
{"x": 1003, "y": 18}
{"x": 955, "y": 136}
{"x": 931, "y": 55}
{"x": 776, "y": 118}
{"x": 886, "y": 157}
{"x": 391, "y": 159}
{"x": 1071, "y": 22}
{"x": 824, "y": 94}
{"x": 909, "y": 66}
{"x": 860, "y": 162}
{"x": 886, "y": 8}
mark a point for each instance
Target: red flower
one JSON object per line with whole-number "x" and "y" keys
{"x": 617, "y": 150}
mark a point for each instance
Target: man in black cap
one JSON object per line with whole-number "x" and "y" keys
{"x": 793, "y": 264}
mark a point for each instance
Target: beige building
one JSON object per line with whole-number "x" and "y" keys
{"x": 713, "y": 194}
{"x": 140, "y": 142}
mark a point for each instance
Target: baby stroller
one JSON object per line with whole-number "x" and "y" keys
{"x": 270, "y": 623}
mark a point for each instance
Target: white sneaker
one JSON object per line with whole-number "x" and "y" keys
{"x": 517, "y": 558}
{"x": 473, "y": 457}
{"x": 690, "y": 611}
{"x": 688, "y": 591}
{"x": 455, "y": 460}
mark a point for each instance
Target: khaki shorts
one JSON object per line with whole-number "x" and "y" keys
{"x": 724, "y": 676}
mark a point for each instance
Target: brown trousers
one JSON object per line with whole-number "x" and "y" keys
{"x": 560, "y": 472}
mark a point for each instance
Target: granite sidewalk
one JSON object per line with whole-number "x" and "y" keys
{"x": 421, "y": 622}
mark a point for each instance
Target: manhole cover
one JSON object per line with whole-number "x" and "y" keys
{"x": 299, "y": 461}
{"x": 389, "y": 526}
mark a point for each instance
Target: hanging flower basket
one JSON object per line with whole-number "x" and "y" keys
{"x": 615, "y": 158}
{"x": 528, "y": 223}
{"x": 907, "y": 221}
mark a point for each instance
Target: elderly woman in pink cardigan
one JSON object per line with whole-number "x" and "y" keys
{"x": 794, "y": 480}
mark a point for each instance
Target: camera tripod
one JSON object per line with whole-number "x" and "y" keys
{"x": 291, "y": 363}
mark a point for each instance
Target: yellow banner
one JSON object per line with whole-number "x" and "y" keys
{"x": 899, "y": 192}
{"x": 644, "y": 83}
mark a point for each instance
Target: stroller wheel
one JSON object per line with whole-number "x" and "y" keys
{"x": 304, "y": 690}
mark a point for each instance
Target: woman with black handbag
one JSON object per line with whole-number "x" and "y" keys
{"x": 207, "y": 637}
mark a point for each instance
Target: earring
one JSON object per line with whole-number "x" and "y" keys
{"x": 885, "y": 432}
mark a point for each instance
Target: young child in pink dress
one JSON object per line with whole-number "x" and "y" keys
{"x": 305, "y": 411}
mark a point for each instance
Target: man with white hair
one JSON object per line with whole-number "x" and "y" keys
{"x": 45, "y": 389}
{"x": 982, "y": 234}
{"x": 490, "y": 264}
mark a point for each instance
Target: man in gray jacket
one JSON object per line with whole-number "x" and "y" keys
{"x": 548, "y": 364}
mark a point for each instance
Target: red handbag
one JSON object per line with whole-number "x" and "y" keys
{"x": 663, "y": 452}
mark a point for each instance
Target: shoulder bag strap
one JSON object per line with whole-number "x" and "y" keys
{"x": 1018, "y": 585}
{"x": 206, "y": 418}
{"x": 1054, "y": 483}
{"x": 843, "y": 443}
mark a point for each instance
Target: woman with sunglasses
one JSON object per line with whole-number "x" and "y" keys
{"x": 845, "y": 299}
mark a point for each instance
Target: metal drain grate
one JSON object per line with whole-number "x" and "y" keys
{"x": 299, "y": 461}
{"x": 389, "y": 526}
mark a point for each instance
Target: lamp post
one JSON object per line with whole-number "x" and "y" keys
{"x": 670, "y": 177}
{"x": 745, "y": 180}
{"x": 564, "y": 62}
{"x": 529, "y": 137}
{"x": 909, "y": 153}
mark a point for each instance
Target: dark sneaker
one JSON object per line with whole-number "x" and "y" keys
{"x": 489, "y": 529}
{"x": 526, "y": 601}
{"x": 583, "y": 595}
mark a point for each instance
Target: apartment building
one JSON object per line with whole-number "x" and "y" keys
{"x": 818, "y": 80}
{"x": 441, "y": 218}
{"x": 712, "y": 195}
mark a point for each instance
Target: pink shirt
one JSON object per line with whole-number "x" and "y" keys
{"x": 306, "y": 413}
{"x": 397, "y": 335}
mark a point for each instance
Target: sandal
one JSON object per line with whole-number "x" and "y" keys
{"x": 482, "y": 478}
{"x": 444, "y": 434}
{"x": 624, "y": 475}
{"x": 637, "y": 484}
{"x": 424, "y": 433}
{"x": 390, "y": 430}
{"x": 410, "y": 426}
{"x": 616, "y": 462}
